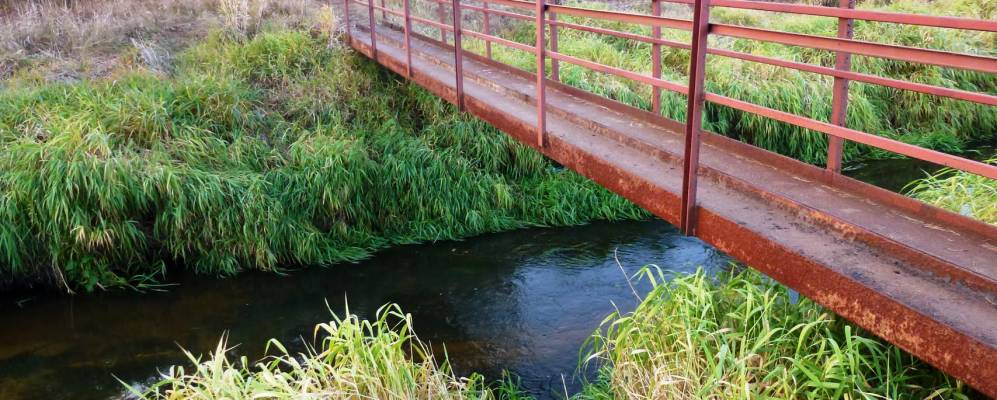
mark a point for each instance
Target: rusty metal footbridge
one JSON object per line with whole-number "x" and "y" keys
{"x": 918, "y": 276}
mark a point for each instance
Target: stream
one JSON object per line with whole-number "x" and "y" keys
{"x": 521, "y": 301}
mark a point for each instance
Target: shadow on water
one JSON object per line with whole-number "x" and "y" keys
{"x": 523, "y": 301}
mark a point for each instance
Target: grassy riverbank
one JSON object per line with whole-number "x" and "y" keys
{"x": 253, "y": 150}
{"x": 930, "y": 121}
{"x": 693, "y": 337}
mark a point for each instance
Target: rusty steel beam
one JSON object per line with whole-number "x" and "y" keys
{"x": 694, "y": 116}
{"x": 458, "y": 50}
{"x": 839, "y": 101}
{"x": 541, "y": 97}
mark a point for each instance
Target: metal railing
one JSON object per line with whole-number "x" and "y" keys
{"x": 544, "y": 16}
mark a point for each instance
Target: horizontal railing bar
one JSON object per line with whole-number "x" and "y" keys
{"x": 912, "y": 54}
{"x": 527, "y": 5}
{"x": 621, "y": 34}
{"x": 866, "y": 15}
{"x": 497, "y": 12}
{"x": 642, "y": 19}
{"x": 880, "y": 142}
{"x": 432, "y": 23}
{"x": 671, "y": 86}
{"x": 389, "y": 10}
{"x": 981, "y": 98}
{"x": 496, "y": 39}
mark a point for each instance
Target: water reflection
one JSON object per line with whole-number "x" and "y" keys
{"x": 523, "y": 301}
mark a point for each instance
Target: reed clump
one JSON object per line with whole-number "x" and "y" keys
{"x": 255, "y": 153}
{"x": 968, "y": 194}
{"x": 744, "y": 336}
{"x": 356, "y": 358}
{"x": 930, "y": 121}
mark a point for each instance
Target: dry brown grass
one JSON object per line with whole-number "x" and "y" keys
{"x": 67, "y": 40}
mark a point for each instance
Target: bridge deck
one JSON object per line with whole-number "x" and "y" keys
{"x": 879, "y": 259}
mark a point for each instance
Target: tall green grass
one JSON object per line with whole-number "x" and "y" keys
{"x": 968, "y": 194}
{"x": 931, "y": 121}
{"x": 743, "y": 336}
{"x": 255, "y": 154}
{"x": 356, "y": 359}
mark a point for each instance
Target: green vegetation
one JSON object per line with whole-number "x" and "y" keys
{"x": 968, "y": 194}
{"x": 925, "y": 120}
{"x": 379, "y": 359}
{"x": 736, "y": 336}
{"x": 744, "y": 336}
{"x": 255, "y": 154}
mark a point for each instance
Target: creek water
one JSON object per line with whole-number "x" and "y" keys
{"x": 521, "y": 301}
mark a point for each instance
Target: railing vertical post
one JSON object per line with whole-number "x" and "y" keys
{"x": 406, "y": 10}
{"x": 346, "y": 20}
{"x": 373, "y": 36}
{"x": 441, "y": 14}
{"x": 384, "y": 14}
{"x": 656, "y": 59}
{"x": 541, "y": 9}
{"x": 487, "y": 29}
{"x": 555, "y": 66}
{"x": 839, "y": 103}
{"x": 458, "y": 50}
{"x": 694, "y": 118}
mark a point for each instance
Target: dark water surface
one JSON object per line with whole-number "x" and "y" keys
{"x": 523, "y": 301}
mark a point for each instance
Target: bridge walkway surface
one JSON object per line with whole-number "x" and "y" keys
{"x": 918, "y": 276}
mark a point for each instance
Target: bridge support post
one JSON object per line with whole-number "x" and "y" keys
{"x": 441, "y": 14}
{"x": 694, "y": 119}
{"x": 839, "y": 104}
{"x": 541, "y": 9}
{"x": 406, "y": 10}
{"x": 373, "y": 35}
{"x": 458, "y": 50}
{"x": 346, "y": 19}
{"x": 555, "y": 65}
{"x": 656, "y": 59}
{"x": 487, "y": 28}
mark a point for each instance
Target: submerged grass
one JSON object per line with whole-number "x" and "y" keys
{"x": 930, "y": 121}
{"x": 967, "y": 194}
{"x": 255, "y": 154}
{"x": 743, "y": 336}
